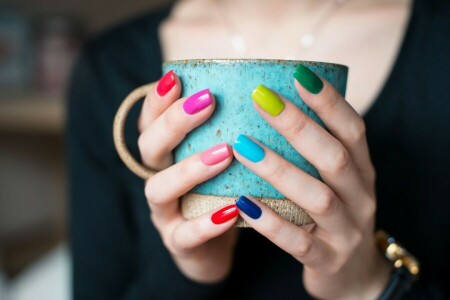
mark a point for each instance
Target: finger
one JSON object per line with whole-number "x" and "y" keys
{"x": 315, "y": 144}
{"x": 197, "y": 231}
{"x": 295, "y": 240}
{"x": 165, "y": 188}
{"x": 164, "y": 92}
{"x": 170, "y": 128}
{"x": 337, "y": 114}
{"x": 309, "y": 193}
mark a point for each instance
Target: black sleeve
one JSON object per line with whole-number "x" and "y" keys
{"x": 117, "y": 253}
{"x": 101, "y": 242}
{"x": 411, "y": 155}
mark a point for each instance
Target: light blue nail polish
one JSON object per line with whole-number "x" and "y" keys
{"x": 248, "y": 148}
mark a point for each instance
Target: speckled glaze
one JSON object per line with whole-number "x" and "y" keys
{"x": 231, "y": 82}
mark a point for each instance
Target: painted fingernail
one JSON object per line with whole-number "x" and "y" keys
{"x": 267, "y": 100}
{"x": 308, "y": 79}
{"x": 166, "y": 83}
{"x": 197, "y": 102}
{"x": 248, "y": 148}
{"x": 215, "y": 155}
{"x": 225, "y": 214}
{"x": 248, "y": 207}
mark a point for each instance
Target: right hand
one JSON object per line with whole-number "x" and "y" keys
{"x": 202, "y": 249}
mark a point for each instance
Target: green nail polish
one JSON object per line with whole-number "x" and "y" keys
{"x": 267, "y": 100}
{"x": 308, "y": 79}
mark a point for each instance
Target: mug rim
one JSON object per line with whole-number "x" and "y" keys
{"x": 251, "y": 60}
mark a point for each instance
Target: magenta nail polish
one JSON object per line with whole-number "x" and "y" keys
{"x": 197, "y": 102}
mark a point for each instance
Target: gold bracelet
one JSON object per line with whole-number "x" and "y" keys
{"x": 396, "y": 253}
{"x": 406, "y": 267}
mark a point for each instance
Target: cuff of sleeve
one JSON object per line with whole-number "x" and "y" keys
{"x": 201, "y": 290}
{"x": 171, "y": 283}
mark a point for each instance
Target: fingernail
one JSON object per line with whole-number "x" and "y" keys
{"x": 267, "y": 100}
{"x": 197, "y": 102}
{"x": 308, "y": 79}
{"x": 224, "y": 214}
{"x": 248, "y": 148}
{"x": 166, "y": 83}
{"x": 215, "y": 155}
{"x": 248, "y": 207}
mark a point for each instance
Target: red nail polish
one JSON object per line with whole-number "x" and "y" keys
{"x": 166, "y": 83}
{"x": 225, "y": 214}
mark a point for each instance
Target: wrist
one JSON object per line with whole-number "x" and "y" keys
{"x": 371, "y": 278}
{"x": 381, "y": 275}
{"x": 370, "y": 275}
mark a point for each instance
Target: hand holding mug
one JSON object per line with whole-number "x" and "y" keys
{"x": 202, "y": 247}
{"x": 339, "y": 254}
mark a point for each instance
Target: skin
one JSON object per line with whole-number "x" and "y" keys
{"x": 354, "y": 36}
{"x": 338, "y": 253}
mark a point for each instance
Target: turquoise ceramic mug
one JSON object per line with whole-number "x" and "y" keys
{"x": 231, "y": 81}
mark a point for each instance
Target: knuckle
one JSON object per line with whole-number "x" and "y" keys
{"x": 157, "y": 222}
{"x": 357, "y": 130}
{"x": 326, "y": 202}
{"x": 302, "y": 247}
{"x": 367, "y": 211}
{"x": 147, "y": 191}
{"x": 335, "y": 98}
{"x": 294, "y": 126}
{"x": 371, "y": 174}
{"x": 339, "y": 162}
{"x": 150, "y": 194}
{"x": 187, "y": 174}
{"x": 198, "y": 234}
{"x": 142, "y": 144}
{"x": 173, "y": 122}
{"x": 274, "y": 230}
{"x": 149, "y": 156}
{"x": 367, "y": 218}
{"x": 331, "y": 101}
{"x": 276, "y": 171}
{"x": 175, "y": 243}
{"x": 371, "y": 208}
{"x": 200, "y": 231}
{"x": 154, "y": 219}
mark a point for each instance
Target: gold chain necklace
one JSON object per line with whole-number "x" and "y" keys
{"x": 305, "y": 42}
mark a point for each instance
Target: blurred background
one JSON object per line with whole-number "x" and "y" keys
{"x": 39, "y": 41}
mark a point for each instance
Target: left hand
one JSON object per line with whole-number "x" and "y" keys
{"x": 339, "y": 254}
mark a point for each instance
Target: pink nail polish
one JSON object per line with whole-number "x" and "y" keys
{"x": 215, "y": 155}
{"x": 197, "y": 102}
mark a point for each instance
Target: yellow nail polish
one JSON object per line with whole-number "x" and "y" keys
{"x": 267, "y": 100}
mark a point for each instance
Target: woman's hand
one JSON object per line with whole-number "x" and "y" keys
{"x": 201, "y": 247}
{"x": 339, "y": 255}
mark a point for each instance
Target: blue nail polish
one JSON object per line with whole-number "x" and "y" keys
{"x": 248, "y": 148}
{"x": 248, "y": 207}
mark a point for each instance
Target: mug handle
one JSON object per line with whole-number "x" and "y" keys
{"x": 119, "y": 132}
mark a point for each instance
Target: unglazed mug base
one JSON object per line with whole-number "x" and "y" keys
{"x": 194, "y": 205}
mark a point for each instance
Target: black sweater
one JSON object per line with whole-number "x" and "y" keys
{"x": 117, "y": 252}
